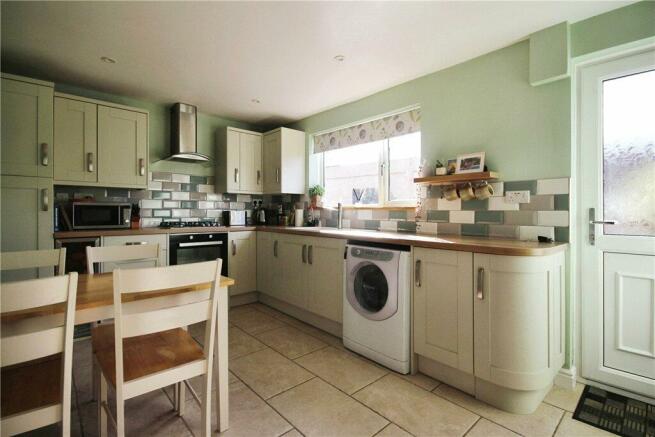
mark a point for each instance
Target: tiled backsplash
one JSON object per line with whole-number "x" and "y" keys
{"x": 547, "y": 213}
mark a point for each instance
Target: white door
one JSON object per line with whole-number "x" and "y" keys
{"x": 617, "y": 186}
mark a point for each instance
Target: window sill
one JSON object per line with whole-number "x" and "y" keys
{"x": 377, "y": 207}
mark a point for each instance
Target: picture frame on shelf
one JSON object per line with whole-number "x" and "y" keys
{"x": 470, "y": 163}
{"x": 451, "y": 166}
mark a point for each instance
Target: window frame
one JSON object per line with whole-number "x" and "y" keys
{"x": 384, "y": 181}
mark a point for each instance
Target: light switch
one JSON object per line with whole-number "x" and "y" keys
{"x": 517, "y": 196}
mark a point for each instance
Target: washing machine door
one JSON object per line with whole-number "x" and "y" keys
{"x": 372, "y": 290}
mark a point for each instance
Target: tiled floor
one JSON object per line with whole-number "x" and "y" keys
{"x": 289, "y": 378}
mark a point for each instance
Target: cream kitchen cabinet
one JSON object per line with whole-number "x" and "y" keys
{"x": 325, "y": 277}
{"x": 284, "y": 161}
{"x": 128, "y": 240}
{"x": 76, "y": 140}
{"x": 242, "y": 261}
{"x": 239, "y": 161}
{"x": 270, "y": 279}
{"x": 293, "y": 250}
{"x": 519, "y": 340}
{"x": 443, "y": 307}
{"x": 26, "y": 219}
{"x": 26, "y": 147}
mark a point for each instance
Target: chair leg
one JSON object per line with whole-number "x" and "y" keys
{"x": 181, "y": 398}
{"x": 102, "y": 399}
{"x": 94, "y": 379}
{"x": 206, "y": 420}
{"x": 176, "y": 396}
{"x": 120, "y": 417}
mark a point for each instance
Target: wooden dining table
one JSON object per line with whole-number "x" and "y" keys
{"x": 95, "y": 301}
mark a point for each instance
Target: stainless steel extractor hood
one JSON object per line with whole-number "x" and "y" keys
{"x": 184, "y": 145}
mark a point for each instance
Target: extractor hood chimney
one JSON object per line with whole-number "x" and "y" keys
{"x": 184, "y": 145}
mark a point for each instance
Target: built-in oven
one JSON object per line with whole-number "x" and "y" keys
{"x": 193, "y": 248}
{"x": 91, "y": 215}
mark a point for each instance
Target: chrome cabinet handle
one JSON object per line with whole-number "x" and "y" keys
{"x": 417, "y": 273}
{"x": 234, "y": 247}
{"x": 89, "y": 162}
{"x": 135, "y": 243}
{"x": 304, "y": 253}
{"x": 259, "y": 176}
{"x": 45, "y": 198}
{"x": 236, "y": 175}
{"x": 44, "y": 154}
{"x": 310, "y": 255}
{"x": 275, "y": 248}
{"x": 142, "y": 167}
{"x": 277, "y": 174}
{"x": 479, "y": 292}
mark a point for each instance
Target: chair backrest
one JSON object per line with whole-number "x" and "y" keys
{"x": 29, "y": 259}
{"x": 141, "y": 320}
{"x": 137, "y": 252}
{"x": 38, "y": 337}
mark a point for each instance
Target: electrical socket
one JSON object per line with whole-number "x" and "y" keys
{"x": 517, "y": 196}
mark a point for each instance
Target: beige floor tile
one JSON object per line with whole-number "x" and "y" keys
{"x": 414, "y": 409}
{"x": 253, "y": 322}
{"x": 317, "y": 408}
{"x": 240, "y": 309}
{"x": 393, "y": 430}
{"x": 249, "y": 415}
{"x": 290, "y": 342}
{"x": 241, "y": 344}
{"x": 423, "y": 381}
{"x": 268, "y": 372}
{"x": 341, "y": 369}
{"x": 293, "y": 433}
{"x": 486, "y": 428}
{"x": 540, "y": 423}
{"x": 564, "y": 398}
{"x": 570, "y": 427}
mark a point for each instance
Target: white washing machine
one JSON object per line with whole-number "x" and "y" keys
{"x": 376, "y": 307}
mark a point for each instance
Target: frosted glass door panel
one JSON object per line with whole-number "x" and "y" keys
{"x": 629, "y": 154}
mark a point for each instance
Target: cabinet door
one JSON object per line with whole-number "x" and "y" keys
{"x": 242, "y": 261}
{"x": 264, "y": 256}
{"x": 292, "y": 161}
{"x": 122, "y": 147}
{"x": 26, "y": 216}
{"x": 76, "y": 141}
{"x": 272, "y": 150}
{"x": 517, "y": 306}
{"x": 26, "y": 148}
{"x": 294, "y": 270}
{"x": 232, "y": 160}
{"x": 443, "y": 307}
{"x": 250, "y": 163}
{"x": 324, "y": 282}
{"x": 161, "y": 239}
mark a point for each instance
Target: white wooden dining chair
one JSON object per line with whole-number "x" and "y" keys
{"x": 30, "y": 259}
{"x": 37, "y": 356}
{"x": 148, "y": 347}
{"x": 121, "y": 254}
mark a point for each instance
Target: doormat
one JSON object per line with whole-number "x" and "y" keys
{"x": 615, "y": 413}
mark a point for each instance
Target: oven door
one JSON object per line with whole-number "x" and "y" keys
{"x": 193, "y": 248}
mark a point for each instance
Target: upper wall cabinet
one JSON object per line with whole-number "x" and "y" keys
{"x": 284, "y": 161}
{"x": 76, "y": 140}
{"x": 239, "y": 161}
{"x": 99, "y": 144}
{"x": 26, "y": 127}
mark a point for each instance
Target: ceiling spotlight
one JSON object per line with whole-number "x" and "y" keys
{"x": 108, "y": 60}
{"x": 339, "y": 58}
{"x": 255, "y": 101}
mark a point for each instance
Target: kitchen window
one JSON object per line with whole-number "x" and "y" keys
{"x": 372, "y": 173}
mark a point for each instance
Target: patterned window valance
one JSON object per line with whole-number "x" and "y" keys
{"x": 387, "y": 127}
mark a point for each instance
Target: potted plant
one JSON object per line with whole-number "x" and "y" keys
{"x": 315, "y": 194}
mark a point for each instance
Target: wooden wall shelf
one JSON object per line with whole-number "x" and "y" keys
{"x": 458, "y": 178}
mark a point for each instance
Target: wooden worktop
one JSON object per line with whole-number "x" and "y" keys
{"x": 494, "y": 246}
{"x": 149, "y": 231}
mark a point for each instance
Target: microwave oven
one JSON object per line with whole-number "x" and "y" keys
{"x": 234, "y": 218}
{"x": 90, "y": 215}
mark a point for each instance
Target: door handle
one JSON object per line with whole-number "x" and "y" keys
{"x": 479, "y": 292}
{"x": 304, "y": 254}
{"x": 44, "y": 154}
{"x": 142, "y": 167}
{"x": 310, "y": 255}
{"x": 259, "y": 176}
{"x": 417, "y": 273}
{"x": 234, "y": 247}
{"x": 602, "y": 222}
{"x": 45, "y": 199}
{"x": 89, "y": 162}
{"x": 592, "y": 225}
{"x": 275, "y": 248}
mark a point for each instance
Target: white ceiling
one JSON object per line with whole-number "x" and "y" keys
{"x": 220, "y": 56}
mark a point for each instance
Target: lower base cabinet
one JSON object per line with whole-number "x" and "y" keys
{"x": 242, "y": 261}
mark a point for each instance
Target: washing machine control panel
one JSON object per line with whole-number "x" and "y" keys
{"x": 372, "y": 254}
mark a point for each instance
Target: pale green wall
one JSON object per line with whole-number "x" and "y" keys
{"x": 159, "y": 130}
